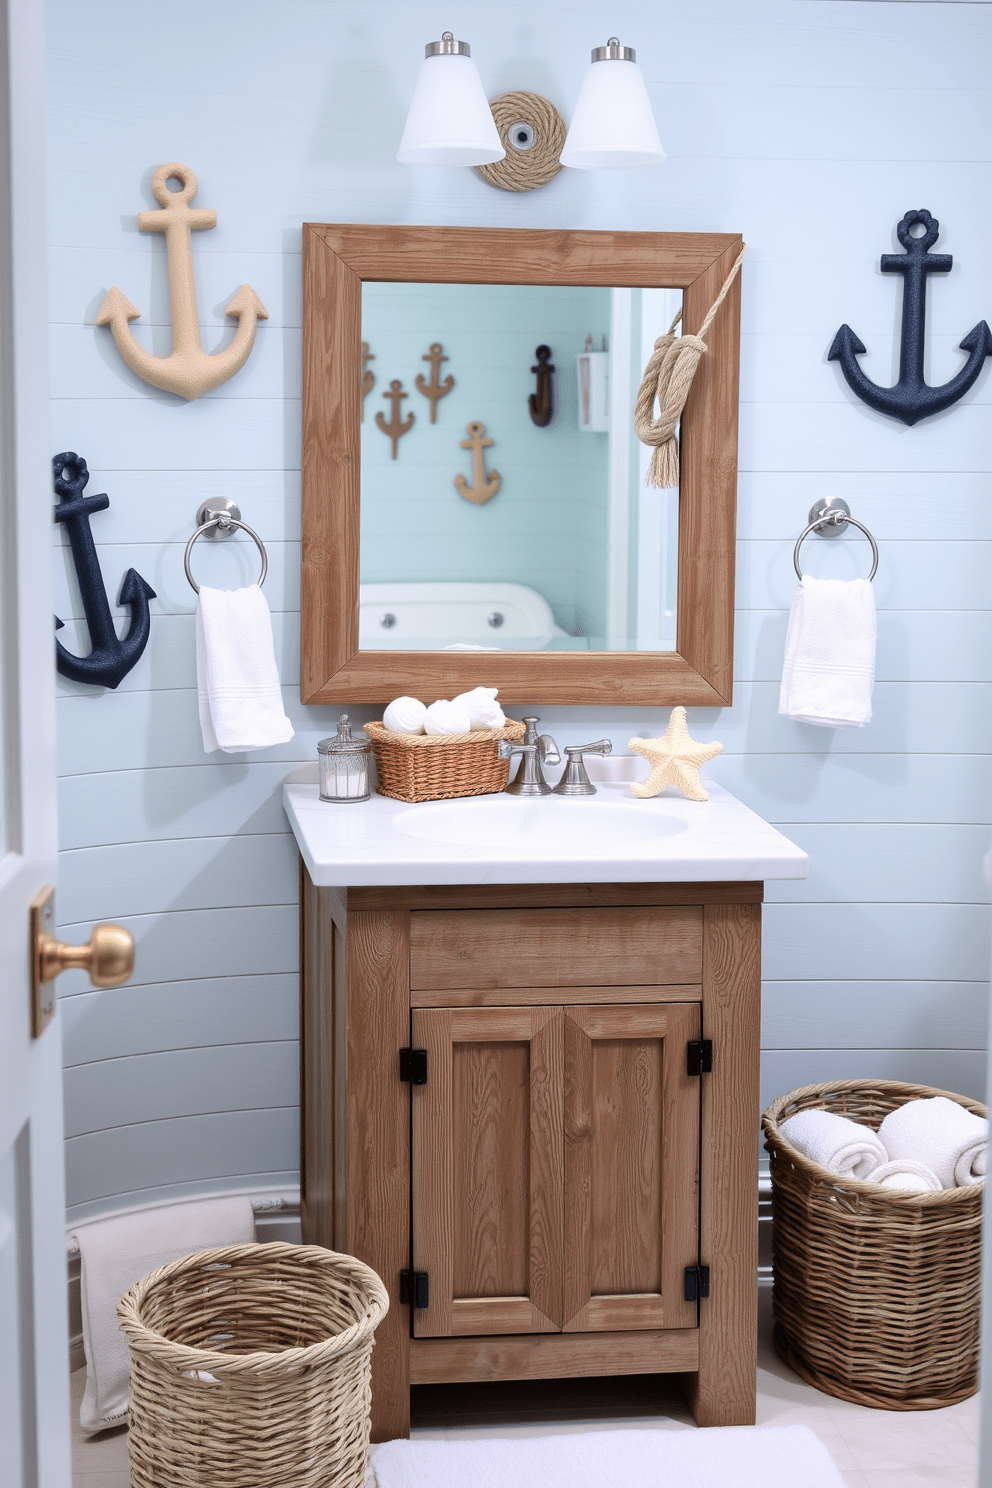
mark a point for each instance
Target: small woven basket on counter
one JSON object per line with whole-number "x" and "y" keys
{"x": 251, "y": 1364}
{"x": 877, "y": 1291}
{"x": 438, "y": 767}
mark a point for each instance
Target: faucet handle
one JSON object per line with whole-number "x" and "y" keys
{"x": 575, "y": 781}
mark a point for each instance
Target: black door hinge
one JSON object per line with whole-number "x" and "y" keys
{"x": 699, "y": 1056}
{"x": 413, "y": 1066}
{"x": 697, "y": 1282}
{"x": 415, "y": 1287}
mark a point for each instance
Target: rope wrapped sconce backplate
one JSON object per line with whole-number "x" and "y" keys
{"x": 533, "y": 135}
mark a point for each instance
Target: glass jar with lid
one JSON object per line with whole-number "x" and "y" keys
{"x": 345, "y": 765}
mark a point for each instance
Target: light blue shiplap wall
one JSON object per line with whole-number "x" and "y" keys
{"x": 810, "y": 125}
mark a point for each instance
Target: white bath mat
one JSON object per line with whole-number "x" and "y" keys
{"x": 721, "y": 1457}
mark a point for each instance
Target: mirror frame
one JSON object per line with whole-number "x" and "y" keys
{"x": 337, "y": 259}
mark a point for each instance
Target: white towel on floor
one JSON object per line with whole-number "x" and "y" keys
{"x": 721, "y": 1457}
{"x": 837, "y": 1144}
{"x": 236, "y": 677}
{"x": 114, "y": 1254}
{"x": 829, "y": 665}
{"x": 942, "y": 1134}
{"x": 902, "y": 1172}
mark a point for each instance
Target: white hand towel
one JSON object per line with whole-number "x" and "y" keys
{"x": 837, "y": 1144}
{"x": 942, "y": 1134}
{"x": 236, "y": 678}
{"x": 722, "y": 1457}
{"x": 114, "y": 1254}
{"x": 829, "y": 666}
{"x": 914, "y": 1177}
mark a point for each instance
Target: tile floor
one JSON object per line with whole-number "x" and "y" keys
{"x": 872, "y": 1449}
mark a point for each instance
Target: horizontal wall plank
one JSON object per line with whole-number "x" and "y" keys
{"x": 188, "y": 944}
{"x": 152, "y": 505}
{"x": 265, "y": 1187}
{"x": 938, "y": 942}
{"x": 181, "y": 1082}
{"x": 859, "y": 788}
{"x": 100, "y": 883}
{"x": 909, "y": 577}
{"x": 116, "y": 1021}
{"x": 960, "y": 1071}
{"x": 873, "y": 1015}
{"x": 260, "y": 433}
{"x": 790, "y": 366}
{"x": 129, "y": 1159}
{"x": 913, "y": 862}
{"x": 913, "y": 646}
{"x": 896, "y": 505}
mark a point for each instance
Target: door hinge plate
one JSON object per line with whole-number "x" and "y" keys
{"x": 699, "y": 1056}
{"x": 415, "y": 1287}
{"x": 413, "y": 1066}
{"x": 697, "y": 1282}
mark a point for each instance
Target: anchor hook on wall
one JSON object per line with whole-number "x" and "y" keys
{"x": 912, "y": 398}
{"x": 111, "y": 657}
{"x": 541, "y": 402}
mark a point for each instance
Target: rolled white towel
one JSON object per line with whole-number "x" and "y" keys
{"x": 405, "y": 715}
{"x": 914, "y": 1177}
{"x": 483, "y": 709}
{"x": 447, "y": 718}
{"x": 943, "y": 1135}
{"x": 837, "y": 1144}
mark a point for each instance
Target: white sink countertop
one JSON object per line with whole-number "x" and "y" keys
{"x": 611, "y": 837}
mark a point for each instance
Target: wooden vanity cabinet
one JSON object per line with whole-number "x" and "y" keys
{"x": 554, "y": 1187}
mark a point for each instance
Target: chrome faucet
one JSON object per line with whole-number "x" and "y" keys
{"x": 535, "y": 750}
{"x": 575, "y": 781}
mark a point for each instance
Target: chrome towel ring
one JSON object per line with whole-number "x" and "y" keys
{"x": 835, "y": 514}
{"x": 222, "y": 518}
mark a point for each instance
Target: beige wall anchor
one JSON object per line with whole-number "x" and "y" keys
{"x": 483, "y": 487}
{"x": 396, "y": 427}
{"x": 189, "y": 370}
{"x": 435, "y": 389}
{"x": 368, "y": 378}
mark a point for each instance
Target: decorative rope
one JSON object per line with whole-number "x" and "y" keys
{"x": 668, "y": 377}
{"x": 522, "y": 170}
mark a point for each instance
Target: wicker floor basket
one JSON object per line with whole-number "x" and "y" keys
{"x": 250, "y": 1366}
{"x": 876, "y": 1290}
{"x": 438, "y": 767}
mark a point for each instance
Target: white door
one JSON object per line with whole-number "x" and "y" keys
{"x": 34, "y": 1403}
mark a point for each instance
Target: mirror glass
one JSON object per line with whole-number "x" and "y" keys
{"x": 503, "y": 513}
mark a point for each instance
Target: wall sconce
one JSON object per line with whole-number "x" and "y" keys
{"x": 519, "y": 141}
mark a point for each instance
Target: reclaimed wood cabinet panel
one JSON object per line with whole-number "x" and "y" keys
{"x": 555, "y": 947}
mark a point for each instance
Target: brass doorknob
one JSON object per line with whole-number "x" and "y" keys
{"x": 108, "y": 956}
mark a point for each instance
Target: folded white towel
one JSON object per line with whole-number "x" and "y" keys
{"x": 405, "y": 715}
{"x": 914, "y": 1177}
{"x": 837, "y": 1144}
{"x": 114, "y": 1254}
{"x": 484, "y": 711}
{"x": 722, "y": 1457}
{"x": 830, "y": 653}
{"x": 443, "y": 717}
{"x": 236, "y": 677}
{"x": 942, "y": 1134}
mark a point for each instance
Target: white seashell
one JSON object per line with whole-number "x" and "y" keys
{"x": 483, "y": 709}
{"x": 447, "y": 718}
{"x": 405, "y": 715}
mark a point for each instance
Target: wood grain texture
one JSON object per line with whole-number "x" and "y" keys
{"x": 722, "y": 1393}
{"x": 631, "y": 1150}
{"x": 317, "y": 1067}
{"x": 553, "y": 1356}
{"x": 554, "y": 947}
{"x": 536, "y": 996}
{"x": 545, "y": 896}
{"x": 487, "y": 1170}
{"x": 336, "y": 259}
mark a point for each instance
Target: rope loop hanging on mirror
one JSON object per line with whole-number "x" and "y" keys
{"x": 668, "y": 378}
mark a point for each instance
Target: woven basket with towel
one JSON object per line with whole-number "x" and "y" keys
{"x": 877, "y": 1288}
{"x": 439, "y": 767}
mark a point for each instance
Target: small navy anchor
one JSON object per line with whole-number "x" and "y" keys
{"x": 110, "y": 658}
{"x": 912, "y": 399}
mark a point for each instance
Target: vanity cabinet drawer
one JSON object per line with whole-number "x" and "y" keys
{"x": 555, "y": 947}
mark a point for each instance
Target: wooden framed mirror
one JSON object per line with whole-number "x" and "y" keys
{"x": 337, "y": 261}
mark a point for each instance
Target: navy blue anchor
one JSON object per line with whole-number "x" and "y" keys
{"x": 110, "y": 658}
{"x": 912, "y": 398}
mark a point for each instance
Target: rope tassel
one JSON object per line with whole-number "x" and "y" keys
{"x": 667, "y": 379}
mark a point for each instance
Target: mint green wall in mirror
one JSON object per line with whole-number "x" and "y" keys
{"x": 572, "y": 521}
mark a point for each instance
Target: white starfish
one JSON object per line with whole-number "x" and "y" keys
{"x": 675, "y": 760}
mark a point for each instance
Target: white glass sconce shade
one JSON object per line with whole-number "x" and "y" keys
{"x": 613, "y": 127}
{"x": 450, "y": 121}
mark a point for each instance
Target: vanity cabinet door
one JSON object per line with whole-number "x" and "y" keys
{"x": 631, "y": 1223}
{"x": 487, "y": 1170}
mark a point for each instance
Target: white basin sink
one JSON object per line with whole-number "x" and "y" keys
{"x": 560, "y": 824}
